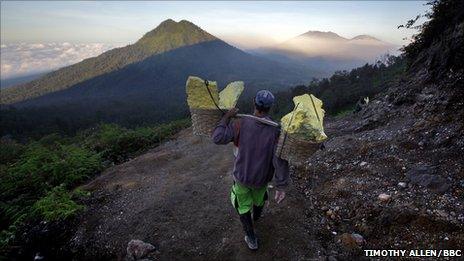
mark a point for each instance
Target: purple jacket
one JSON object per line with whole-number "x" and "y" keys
{"x": 255, "y": 162}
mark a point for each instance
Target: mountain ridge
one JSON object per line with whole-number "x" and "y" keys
{"x": 320, "y": 34}
{"x": 173, "y": 35}
{"x": 166, "y": 36}
{"x": 365, "y": 37}
{"x": 333, "y": 35}
{"x": 150, "y": 88}
{"x": 328, "y": 51}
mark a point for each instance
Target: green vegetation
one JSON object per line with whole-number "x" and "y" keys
{"x": 342, "y": 90}
{"x": 57, "y": 204}
{"x": 117, "y": 144}
{"x": 57, "y": 148}
{"x": 167, "y": 36}
{"x": 145, "y": 92}
{"x": 344, "y": 112}
{"x": 26, "y": 123}
{"x": 440, "y": 55}
{"x": 38, "y": 177}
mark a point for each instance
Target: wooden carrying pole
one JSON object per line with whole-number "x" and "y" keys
{"x": 262, "y": 120}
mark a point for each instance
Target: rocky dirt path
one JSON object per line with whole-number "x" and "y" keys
{"x": 176, "y": 197}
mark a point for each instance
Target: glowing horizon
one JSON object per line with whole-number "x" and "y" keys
{"x": 125, "y": 22}
{"x": 94, "y": 27}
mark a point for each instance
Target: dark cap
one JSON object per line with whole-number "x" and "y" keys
{"x": 264, "y": 98}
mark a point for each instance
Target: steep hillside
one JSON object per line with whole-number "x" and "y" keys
{"x": 5, "y": 83}
{"x": 343, "y": 90}
{"x": 142, "y": 83}
{"x": 167, "y": 36}
{"x": 167, "y": 72}
{"x": 393, "y": 173}
{"x": 391, "y": 176}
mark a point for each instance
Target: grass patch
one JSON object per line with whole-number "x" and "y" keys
{"x": 57, "y": 205}
{"x": 344, "y": 112}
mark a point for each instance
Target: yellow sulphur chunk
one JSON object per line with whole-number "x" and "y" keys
{"x": 229, "y": 96}
{"x": 197, "y": 94}
{"x": 308, "y": 118}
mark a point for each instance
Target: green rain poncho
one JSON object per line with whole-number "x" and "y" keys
{"x": 307, "y": 122}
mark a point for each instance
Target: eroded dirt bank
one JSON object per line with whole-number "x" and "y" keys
{"x": 392, "y": 173}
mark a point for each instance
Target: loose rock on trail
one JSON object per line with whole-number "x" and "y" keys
{"x": 176, "y": 197}
{"x": 390, "y": 177}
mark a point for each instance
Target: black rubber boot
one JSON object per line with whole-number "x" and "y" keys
{"x": 250, "y": 237}
{"x": 257, "y": 212}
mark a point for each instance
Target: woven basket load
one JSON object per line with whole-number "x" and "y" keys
{"x": 204, "y": 121}
{"x": 295, "y": 150}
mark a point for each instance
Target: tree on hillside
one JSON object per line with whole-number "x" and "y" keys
{"x": 344, "y": 88}
{"x": 430, "y": 49}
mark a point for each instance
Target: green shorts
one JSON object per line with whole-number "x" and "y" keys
{"x": 243, "y": 198}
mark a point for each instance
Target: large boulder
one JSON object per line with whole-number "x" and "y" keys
{"x": 423, "y": 175}
{"x": 137, "y": 249}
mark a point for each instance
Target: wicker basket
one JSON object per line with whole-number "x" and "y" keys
{"x": 204, "y": 121}
{"x": 296, "y": 151}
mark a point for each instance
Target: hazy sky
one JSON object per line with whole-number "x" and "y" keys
{"x": 43, "y": 36}
{"x": 249, "y": 24}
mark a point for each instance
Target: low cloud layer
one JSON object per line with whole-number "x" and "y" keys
{"x": 362, "y": 48}
{"x": 24, "y": 58}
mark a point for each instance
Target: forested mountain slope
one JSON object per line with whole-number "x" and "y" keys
{"x": 139, "y": 84}
{"x": 390, "y": 177}
{"x": 167, "y": 36}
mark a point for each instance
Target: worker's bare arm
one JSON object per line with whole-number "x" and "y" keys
{"x": 281, "y": 172}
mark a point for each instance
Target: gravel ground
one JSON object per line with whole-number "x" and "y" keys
{"x": 176, "y": 197}
{"x": 391, "y": 176}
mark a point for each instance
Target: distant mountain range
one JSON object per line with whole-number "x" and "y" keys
{"x": 144, "y": 83}
{"x": 328, "y": 51}
{"x": 159, "y": 62}
{"x": 312, "y": 54}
